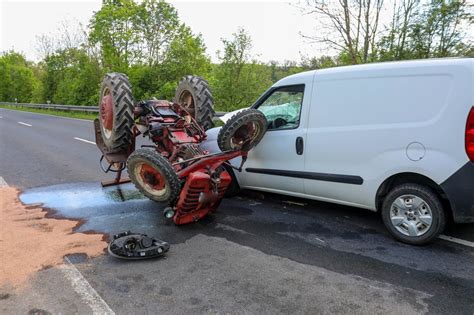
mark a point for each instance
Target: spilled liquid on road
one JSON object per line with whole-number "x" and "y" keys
{"x": 107, "y": 210}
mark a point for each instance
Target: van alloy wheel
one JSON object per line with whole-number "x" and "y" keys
{"x": 411, "y": 215}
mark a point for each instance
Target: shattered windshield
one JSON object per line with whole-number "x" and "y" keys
{"x": 282, "y": 108}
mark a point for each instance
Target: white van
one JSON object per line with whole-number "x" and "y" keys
{"x": 395, "y": 137}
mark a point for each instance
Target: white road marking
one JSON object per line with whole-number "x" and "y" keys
{"x": 84, "y": 140}
{"x": 1, "y": 116}
{"x": 456, "y": 240}
{"x": 84, "y": 289}
{"x": 25, "y": 124}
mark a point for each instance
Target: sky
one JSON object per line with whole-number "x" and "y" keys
{"x": 274, "y": 25}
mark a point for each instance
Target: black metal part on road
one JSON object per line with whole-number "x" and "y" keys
{"x": 128, "y": 245}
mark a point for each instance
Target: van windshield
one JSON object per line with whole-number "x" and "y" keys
{"x": 282, "y": 107}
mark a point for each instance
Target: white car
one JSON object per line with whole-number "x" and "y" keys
{"x": 395, "y": 137}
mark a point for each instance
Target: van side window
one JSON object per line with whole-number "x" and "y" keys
{"x": 282, "y": 107}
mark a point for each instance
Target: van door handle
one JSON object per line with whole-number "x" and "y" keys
{"x": 299, "y": 145}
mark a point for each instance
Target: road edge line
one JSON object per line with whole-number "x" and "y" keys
{"x": 456, "y": 240}
{"x": 84, "y": 289}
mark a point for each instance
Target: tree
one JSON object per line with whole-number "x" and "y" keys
{"x": 17, "y": 78}
{"x": 348, "y": 26}
{"x": 131, "y": 33}
{"x": 70, "y": 76}
{"x": 113, "y": 29}
{"x": 239, "y": 79}
{"x": 438, "y": 28}
{"x": 158, "y": 25}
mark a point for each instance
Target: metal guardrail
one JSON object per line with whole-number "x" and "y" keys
{"x": 74, "y": 108}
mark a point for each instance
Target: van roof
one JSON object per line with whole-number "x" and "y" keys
{"x": 303, "y": 76}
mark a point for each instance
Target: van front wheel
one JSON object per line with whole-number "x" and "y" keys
{"x": 413, "y": 214}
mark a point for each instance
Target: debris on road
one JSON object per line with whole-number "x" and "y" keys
{"x": 128, "y": 245}
{"x": 301, "y": 204}
{"x": 31, "y": 241}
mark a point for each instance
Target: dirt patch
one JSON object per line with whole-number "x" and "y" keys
{"x": 30, "y": 241}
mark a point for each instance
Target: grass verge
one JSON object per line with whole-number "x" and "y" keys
{"x": 53, "y": 112}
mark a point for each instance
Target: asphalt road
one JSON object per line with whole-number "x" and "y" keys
{"x": 260, "y": 253}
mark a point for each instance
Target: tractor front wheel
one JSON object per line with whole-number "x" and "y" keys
{"x": 243, "y": 131}
{"x": 153, "y": 175}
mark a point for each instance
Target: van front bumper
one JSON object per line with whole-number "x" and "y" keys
{"x": 459, "y": 189}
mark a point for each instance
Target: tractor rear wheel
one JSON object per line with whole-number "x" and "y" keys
{"x": 243, "y": 131}
{"x": 153, "y": 175}
{"x": 194, "y": 94}
{"x": 116, "y": 112}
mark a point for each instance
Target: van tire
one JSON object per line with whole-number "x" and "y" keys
{"x": 401, "y": 219}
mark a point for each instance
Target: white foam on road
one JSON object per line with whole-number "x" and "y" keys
{"x": 84, "y": 140}
{"x": 456, "y": 240}
{"x": 82, "y": 287}
{"x": 24, "y": 124}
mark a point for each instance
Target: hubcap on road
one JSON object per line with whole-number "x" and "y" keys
{"x": 411, "y": 215}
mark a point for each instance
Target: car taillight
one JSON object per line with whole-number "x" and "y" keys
{"x": 470, "y": 135}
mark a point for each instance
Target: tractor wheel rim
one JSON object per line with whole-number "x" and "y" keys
{"x": 246, "y": 134}
{"x": 186, "y": 99}
{"x": 107, "y": 113}
{"x": 151, "y": 179}
{"x": 411, "y": 215}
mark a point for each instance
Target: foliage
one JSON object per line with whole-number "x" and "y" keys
{"x": 146, "y": 40}
{"x": 71, "y": 77}
{"x": 238, "y": 80}
{"x": 17, "y": 78}
{"x": 437, "y": 28}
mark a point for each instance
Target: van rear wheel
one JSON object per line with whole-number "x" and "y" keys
{"x": 413, "y": 214}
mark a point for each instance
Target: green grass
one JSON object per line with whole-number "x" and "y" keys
{"x": 53, "y": 112}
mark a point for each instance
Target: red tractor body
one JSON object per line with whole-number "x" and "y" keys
{"x": 175, "y": 169}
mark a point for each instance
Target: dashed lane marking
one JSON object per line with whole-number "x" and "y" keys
{"x": 84, "y": 289}
{"x": 24, "y": 124}
{"x": 84, "y": 140}
{"x": 456, "y": 240}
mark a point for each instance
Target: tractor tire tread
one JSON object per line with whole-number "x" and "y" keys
{"x": 166, "y": 168}
{"x": 122, "y": 134}
{"x": 201, "y": 91}
{"x": 235, "y": 122}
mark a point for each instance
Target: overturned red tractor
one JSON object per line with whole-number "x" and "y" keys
{"x": 173, "y": 169}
